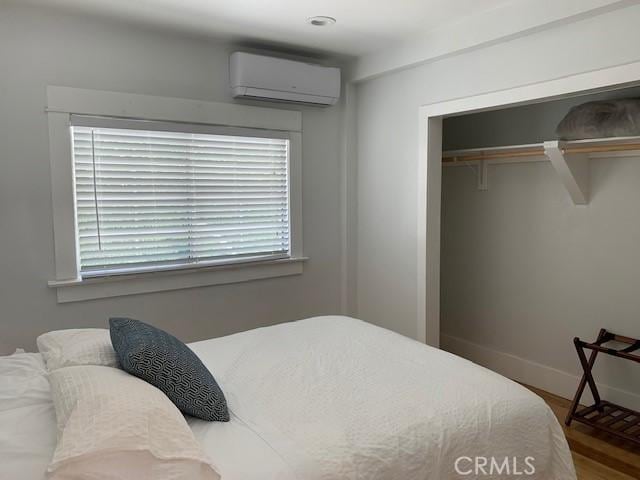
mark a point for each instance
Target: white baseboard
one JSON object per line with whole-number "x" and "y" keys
{"x": 547, "y": 378}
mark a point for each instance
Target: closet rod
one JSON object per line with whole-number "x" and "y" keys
{"x": 537, "y": 152}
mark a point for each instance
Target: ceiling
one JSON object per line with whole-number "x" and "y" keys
{"x": 363, "y": 26}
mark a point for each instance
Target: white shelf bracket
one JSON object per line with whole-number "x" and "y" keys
{"x": 573, "y": 170}
{"x": 483, "y": 182}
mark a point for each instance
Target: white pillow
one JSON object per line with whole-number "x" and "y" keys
{"x": 114, "y": 426}
{"x": 81, "y": 346}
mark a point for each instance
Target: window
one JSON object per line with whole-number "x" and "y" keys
{"x": 153, "y": 196}
{"x": 155, "y": 193}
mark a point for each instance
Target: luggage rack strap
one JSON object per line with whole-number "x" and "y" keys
{"x": 632, "y": 344}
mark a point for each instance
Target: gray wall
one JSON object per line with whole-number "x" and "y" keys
{"x": 39, "y": 48}
{"x": 523, "y": 270}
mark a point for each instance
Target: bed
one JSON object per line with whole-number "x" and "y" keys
{"x": 328, "y": 398}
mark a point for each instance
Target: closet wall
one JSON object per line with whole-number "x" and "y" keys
{"x": 524, "y": 270}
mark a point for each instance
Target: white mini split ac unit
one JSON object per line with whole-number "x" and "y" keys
{"x": 278, "y": 79}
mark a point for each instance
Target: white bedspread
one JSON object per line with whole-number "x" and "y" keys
{"x": 326, "y": 398}
{"x": 27, "y": 418}
{"x": 336, "y": 398}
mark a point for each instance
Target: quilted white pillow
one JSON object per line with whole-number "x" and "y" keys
{"x": 114, "y": 426}
{"x": 81, "y": 346}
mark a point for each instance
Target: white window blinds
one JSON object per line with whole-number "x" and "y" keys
{"x": 151, "y": 199}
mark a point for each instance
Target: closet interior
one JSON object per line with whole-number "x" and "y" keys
{"x": 539, "y": 243}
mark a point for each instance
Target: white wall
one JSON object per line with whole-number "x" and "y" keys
{"x": 541, "y": 317}
{"x": 39, "y": 48}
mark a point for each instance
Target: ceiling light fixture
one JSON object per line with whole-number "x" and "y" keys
{"x": 321, "y": 21}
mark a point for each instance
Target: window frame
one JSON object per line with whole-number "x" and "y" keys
{"x": 63, "y": 103}
{"x": 146, "y": 125}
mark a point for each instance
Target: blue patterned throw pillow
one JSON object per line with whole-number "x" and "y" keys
{"x": 168, "y": 364}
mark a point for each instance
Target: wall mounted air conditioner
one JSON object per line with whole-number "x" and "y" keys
{"x": 270, "y": 78}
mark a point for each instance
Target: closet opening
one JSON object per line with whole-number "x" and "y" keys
{"x": 530, "y": 239}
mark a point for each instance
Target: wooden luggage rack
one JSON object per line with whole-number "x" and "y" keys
{"x": 614, "y": 419}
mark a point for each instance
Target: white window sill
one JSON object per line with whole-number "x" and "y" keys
{"x": 77, "y": 290}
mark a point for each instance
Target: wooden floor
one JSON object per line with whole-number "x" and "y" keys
{"x": 597, "y": 455}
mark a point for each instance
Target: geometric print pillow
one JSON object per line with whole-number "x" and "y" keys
{"x": 168, "y": 364}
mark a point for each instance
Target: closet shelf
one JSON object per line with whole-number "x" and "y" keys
{"x": 570, "y": 159}
{"x": 536, "y": 151}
